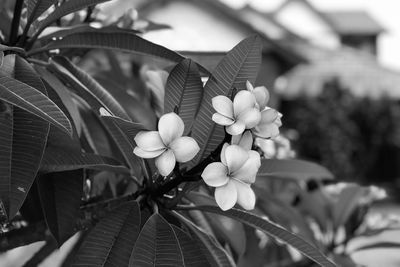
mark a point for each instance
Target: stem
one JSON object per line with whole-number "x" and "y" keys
{"x": 15, "y": 21}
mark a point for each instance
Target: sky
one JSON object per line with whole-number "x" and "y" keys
{"x": 386, "y": 12}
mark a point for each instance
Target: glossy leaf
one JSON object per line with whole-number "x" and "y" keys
{"x": 130, "y": 129}
{"x": 111, "y": 241}
{"x": 348, "y": 201}
{"x": 62, "y": 159}
{"x": 67, "y": 7}
{"x": 36, "y": 8}
{"x": 192, "y": 255}
{"x": 95, "y": 89}
{"x": 33, "y": 101}
{"x": 226, "y": 228}
{"x": 6, "y": 137}
{"x": 293, "y": 169}
{"x": 238, "y": 66}
{"x": 123, "y": 42}
{"x": 157, "y": 245}
{"x": 60, "y": 196}
{"x": 274, "y": 230}
{"x": 28, "y": 142}
{"x": 184, "y": 90}
{"x": 215, "y": 254}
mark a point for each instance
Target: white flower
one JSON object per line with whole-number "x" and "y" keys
{"x": 244, "y": 140}
{"x": 237, "y": 116}
{"x": 260, "y": 93}
{"x": 268, "y": 127}
{"x": 233, "y": 176}
{"x": 167, "y": 144}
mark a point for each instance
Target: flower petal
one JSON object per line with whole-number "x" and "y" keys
{"x": 170, "y": 127}
{"x": 268, "y": 115}
{"x": 222, "y": 156}
{"x": 267, "y": 130}
{"x": 248, "y": 172}
{"x": 165, "y": 163}
{"x": 149, "y": 141}
{"x": 223, "y": 105}
{"x": 262, "y": 96}
{"x": 245, "y": 140}
{"x": 147, "y": 154}
{"x": 250, "y": 117}
{"x": 245, "y": 195}
{"x": 184, "y": 148}
{"x": 243, "y": 100}
{"x": 249, "y": 86}
{"x": 226, "y": 196}
{"x": 215, "y": 174}
{"x": 235, "y": 156}
{"x": 222, "y": 120}
{"x": 236, "y": 128}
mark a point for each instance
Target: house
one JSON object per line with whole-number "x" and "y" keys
{"x": 331, "y": 29}
{"x": 205, "y": 30}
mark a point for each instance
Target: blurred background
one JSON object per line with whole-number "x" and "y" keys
{"x": 333, "y": 68}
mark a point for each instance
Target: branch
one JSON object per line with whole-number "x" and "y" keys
{"x": 23, "y": 236}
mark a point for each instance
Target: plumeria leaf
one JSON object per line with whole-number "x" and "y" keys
{"x": 157, "y": 245}
{"x": 293, "y": 169}
{"x": 33, "y": 101}
{"x": 111, "y": 241}
{"x": 379, "y": 245}
{"x": 241, "y": 64}
{"x": 95, "y": 89}
{"x": 348, "y": 201}
{"x": 60, "y": 196}
{"x": 192, "y": 255}
{"x": 209, "y": 246}
{"x": 1, "y": 58}
{"x": 184, "y": 90}
{"x": 123, "y": 42}
{"x": 36, "y": 8}
{"x": 274, "y": 230}
{"x": 58, "y": 159}
{"x": 28, "y": 141}
{"x": 67, "y": 7}
{"x": 130, "y": 129}
{"x": 229, "y": 229}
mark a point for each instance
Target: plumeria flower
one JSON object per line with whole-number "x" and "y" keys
{"x": 167, "y": 144}
{"x": 268, "y": 127}
{"x": 260, "y": 93}
{"x": 233, "y": 176}
{"x": 244, "y": 140}
{"x": 238, "y": 115}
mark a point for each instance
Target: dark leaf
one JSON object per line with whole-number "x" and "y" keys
{"x": 28, "y": 142}
{"x": 95, "y": 89}
{"x": 111, "y": 242}
{"x": 215, "y": 254}
{"x": 33, "y": 101}
{"x": 157, "y": 245}
{"x": 192, "y": 255}
{"x": 379, "y": 245}
{"x": 293, "y": 169}
{"x": 57, "y": 159}
{"x": 36, "y": 8}
{"x": 63, "y": 93}
{"x": 226, "y": 228}
{"x": 124, "y": 42}
{"x": 184, "y": 90}
{"x": 238, "y": 66}
{"x": 274, "y": 230}
{"x": 124, "y": 145}
{"x": 130, "y": 129}
{"x": 60, "y": 195}
{"x": 348, "y": 201}
{"x": 67, "y": 7}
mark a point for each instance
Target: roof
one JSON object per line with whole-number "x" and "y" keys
{"x": 270, "y": 42}
{"x": 353, "y": 22}
{"x": 356, "y": 70}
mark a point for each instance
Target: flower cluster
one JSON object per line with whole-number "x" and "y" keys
{"x": 245, "y": 116}
{"x": 248, "y": 110}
